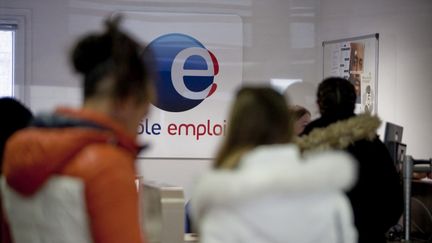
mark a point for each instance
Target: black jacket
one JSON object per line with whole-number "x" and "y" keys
{"x": 377, "y": 197}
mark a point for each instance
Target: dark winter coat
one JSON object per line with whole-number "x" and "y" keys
{"x": 377, "y": 198}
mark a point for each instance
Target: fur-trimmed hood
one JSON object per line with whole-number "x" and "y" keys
{"x": 340, "y": 134}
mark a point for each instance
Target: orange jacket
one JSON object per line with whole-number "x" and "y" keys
{"x": 100, "y": 154}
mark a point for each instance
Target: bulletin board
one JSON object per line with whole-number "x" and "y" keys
{"x": 355, "y": 59}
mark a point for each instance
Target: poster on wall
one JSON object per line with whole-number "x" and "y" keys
{"x": 355, "y": 59}
{"x": 198, "y": 60}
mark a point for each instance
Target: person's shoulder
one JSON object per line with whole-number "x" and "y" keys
{"x": 275, "y": 154}
{"x": 100, "y": 158}
{"x": 317, "y": 123}
{"x": 369, "y": 144}
{"x": 106, "y": 153}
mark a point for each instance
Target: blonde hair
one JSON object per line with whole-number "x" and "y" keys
{"x": 259, "y": 116}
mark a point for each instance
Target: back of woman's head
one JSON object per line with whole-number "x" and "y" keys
{"x": 299, "y": 111}
{"x": 113, "y": 64}
{"x": 336, "y": 97}
{"x": 258, "y": 116}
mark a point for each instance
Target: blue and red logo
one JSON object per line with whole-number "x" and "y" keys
{"x": 186, "y": 72}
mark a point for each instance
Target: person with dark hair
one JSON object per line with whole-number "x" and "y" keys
{"x": 377, "y": 198}
{"x": 70, "y": 177}
{"x": 262, "y": 190}
{"x": 302, "y": 117}
{"x": 17, "y": 116}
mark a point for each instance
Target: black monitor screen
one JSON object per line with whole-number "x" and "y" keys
{"x": 393, "y": 133}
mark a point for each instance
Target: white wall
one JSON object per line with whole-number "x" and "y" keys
{"x": 279, "y": 42}
{"x": 405, "y": 54}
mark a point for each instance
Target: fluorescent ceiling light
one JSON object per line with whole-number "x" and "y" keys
{"x": 281, "y": 85}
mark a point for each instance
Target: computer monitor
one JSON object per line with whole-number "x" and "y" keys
{"x": 401, "y": 152}
{"x": 393, "y": 142}
{"x": 397, "y": 153}
{"x": 393, "y": 133}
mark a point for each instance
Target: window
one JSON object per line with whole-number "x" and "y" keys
{"x": 7, "y": 59}
{"x": 15, "y": 53}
